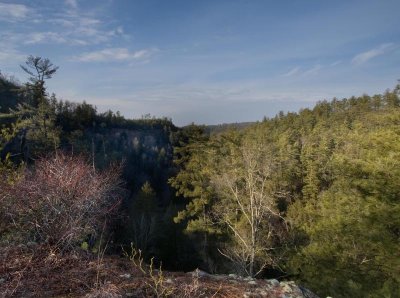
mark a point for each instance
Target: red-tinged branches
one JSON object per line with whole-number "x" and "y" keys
{"x": 60, "y": 201}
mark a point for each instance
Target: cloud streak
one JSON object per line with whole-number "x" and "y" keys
{"x": 314, "y": 70}
{"x": 10, "y": 55}
{"x": 70, "y": 27}
{"x": 44, "y": 37}
{"x": 71, "y": 3}
{"x": 115, "y": 54}
{"x": 296, "y": 71}
{"x": 364, "y": 57}
{"x": 12, "y": 12}
{"x": 292, "y": 72}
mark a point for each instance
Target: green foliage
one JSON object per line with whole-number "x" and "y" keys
{"x": 354, "y": 225}
{"x": 192, "y": 181}
{"x": 85, "y": 245}
{"x": 9, "y": 95}
{"x": 155, "y": 278}
{"x": 143, "y": 218}
{"x": 233, "y": 194}
{"x": 328, "y": 174}
{"x": 335, "y": 182}
{"x": 32, "y": 120}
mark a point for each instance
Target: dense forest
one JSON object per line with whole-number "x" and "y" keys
{"x": 312, "y": 196}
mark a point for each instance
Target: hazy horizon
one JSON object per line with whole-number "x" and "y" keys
{"x": 208, "y": 62}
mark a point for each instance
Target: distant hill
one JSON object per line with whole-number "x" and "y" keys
{"x": 218, "y": 128}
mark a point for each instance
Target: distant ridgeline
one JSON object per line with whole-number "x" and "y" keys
{"x": 313, "y": 196}
{"x": 144, "y": 145}
{"x": 215, "y": 129}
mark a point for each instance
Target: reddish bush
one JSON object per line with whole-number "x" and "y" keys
{"x": 60, "y": 201}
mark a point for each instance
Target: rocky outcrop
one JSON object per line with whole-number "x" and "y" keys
{"x": 38, "y": 271}
{"x": 258, "y": 287}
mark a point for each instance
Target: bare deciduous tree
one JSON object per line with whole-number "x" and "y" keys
{"x": 61, "y": 200}
{"x": 248, "y": 208}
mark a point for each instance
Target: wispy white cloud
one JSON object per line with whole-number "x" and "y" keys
{"x": 70, "y": 27}
{"x": 84, "y": 29}
{"x": 335, "y": 63}
{"x": 368, "y": 55}
{"x": 61, "y": 21}
{"x": 314, "y": 70}
{"x": 8, "y": 50}
{"x": 44, "y": 37}
{"x": 296, "y": 71}
{"x": 12, "y": 12}
{"x": 292, "y": 72}
{"x": 11, "y": 55}
{"x": 88, "y": 22}
{"x": 115, "y": 54}
{"x": 71, "y": 3}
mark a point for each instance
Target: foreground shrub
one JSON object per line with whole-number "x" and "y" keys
{"x": 60, "y": 201}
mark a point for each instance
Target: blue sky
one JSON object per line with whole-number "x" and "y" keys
{"x": 206, "y": 61}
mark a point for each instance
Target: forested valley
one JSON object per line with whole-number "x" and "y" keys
{"x": 311, "y": 196}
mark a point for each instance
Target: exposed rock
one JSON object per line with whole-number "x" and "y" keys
{"x": 199, "y": 273}
{"x": 308, "y": 294}
{"x": 122, "y": 278}
{"x": 252, "y": 282}
{"x": 274, "y": 282}
{"x": 252, "y": 287}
